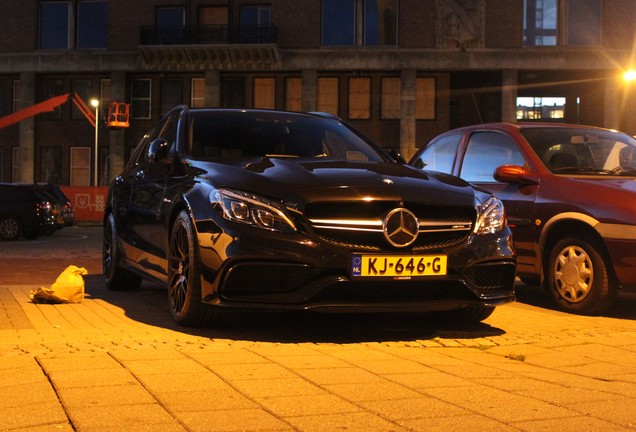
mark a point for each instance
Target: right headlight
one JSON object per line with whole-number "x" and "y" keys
{"x": 491, "y": 217}
{"x": 253, "y": 210}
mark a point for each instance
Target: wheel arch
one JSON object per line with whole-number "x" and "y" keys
{"x": 577, "y": 225}
{"x": 181, "y": 205}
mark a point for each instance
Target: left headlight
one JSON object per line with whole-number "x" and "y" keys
{"x": 491, "y": 217}
{"x": 252, "y": 210}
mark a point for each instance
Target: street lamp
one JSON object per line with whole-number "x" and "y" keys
{"x": 629, "y": 75}
{"x": 95, "y": 103}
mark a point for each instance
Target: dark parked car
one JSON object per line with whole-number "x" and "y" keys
{"x": 24, "y": 211}
{"x": 570, "y": 198}
{"x": 66, "y": 215}
{"x": 288, "y": 211}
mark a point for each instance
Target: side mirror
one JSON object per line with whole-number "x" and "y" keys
{"x": 397, "y": 156}
{"x": 515, "y": 174}
{"x": 158, "y": 150}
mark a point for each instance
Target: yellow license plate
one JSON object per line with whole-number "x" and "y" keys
{"x": 398, "y": 266}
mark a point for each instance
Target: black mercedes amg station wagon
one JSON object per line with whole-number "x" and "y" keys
{"x": 259, "y": 209}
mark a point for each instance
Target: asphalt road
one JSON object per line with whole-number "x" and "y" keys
{"x": 118, "y": 362}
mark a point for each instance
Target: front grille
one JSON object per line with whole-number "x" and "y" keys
{"x": 267, "y": 278}
{"x": 358, "y": 225}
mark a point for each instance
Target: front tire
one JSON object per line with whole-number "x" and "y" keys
{"x": 577, "y": 277}
{"x": 184, "y": 275}
{"x": 115, "y": 277}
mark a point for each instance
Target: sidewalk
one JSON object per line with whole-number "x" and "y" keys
{"x": 117, "y": 362}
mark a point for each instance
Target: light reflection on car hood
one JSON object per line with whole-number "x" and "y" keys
{"x": 279, "y": 178}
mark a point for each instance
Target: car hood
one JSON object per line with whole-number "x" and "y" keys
{"x": 306, "y": 180}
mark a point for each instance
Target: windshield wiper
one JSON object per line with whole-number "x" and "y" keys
{"x": 623, "y": 171}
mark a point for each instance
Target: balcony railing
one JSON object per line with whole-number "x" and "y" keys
{"x": 199, "y": 35}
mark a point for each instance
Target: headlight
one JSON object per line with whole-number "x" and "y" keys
{"x": 491, "y": 217}
{"x": 252, "y": 210}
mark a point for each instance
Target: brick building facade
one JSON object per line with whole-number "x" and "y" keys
{"x": 401, "y": 71}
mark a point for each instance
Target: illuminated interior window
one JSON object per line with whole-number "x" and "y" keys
{"x": 540, "y": 108}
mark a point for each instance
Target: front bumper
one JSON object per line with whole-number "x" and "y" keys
{"x": 256, "y": 269}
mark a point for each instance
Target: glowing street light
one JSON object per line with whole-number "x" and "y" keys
{"x": 629, "y": 75}
{"x": 95, "y": 103}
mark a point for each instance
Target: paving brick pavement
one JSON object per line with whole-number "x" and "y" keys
{"x": 117, "y": 362}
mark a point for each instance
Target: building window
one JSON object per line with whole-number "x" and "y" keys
{"x": 55, "y": 23}
{"x": 197, "y": 93}
{"x": 264, "y": 93}
{"x": 255, "y": 24}
{"x": 338, "y": 22}
{"x": 213, "y": 15}
{"x": 541, "y": 108}
{"x": 390, "y": 103}
{"x": 171, "y": 94}
{"x": 425, "y": 98}
{"x": 584, "y": 22}
{"x": 293, "y": 94}
{"x": 255, "y": 15}
{"x": 84, "y": 88}
{"x": 327, "y": 100}
{"x": 16, "y": 95}
{"x": 92, "y": 27}
{"x": 140, "y": 99}
{"x": 171, "y": 16}
{"x": 51, "y": 164}
{"x": 233, "y": 92}
{"x": 171, "y": 25}
{"x": 380, "y": 22}
{"x": 104, "y": 91}
{"x": 213, "y": 21}
{"x": 80, "y": 166}
{"x": 359, "y": 98}
{"x": 52, "y": 88}
{"x": 540, "y": 22}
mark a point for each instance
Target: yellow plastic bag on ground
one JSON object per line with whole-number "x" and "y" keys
{"x": 67, "y": 288}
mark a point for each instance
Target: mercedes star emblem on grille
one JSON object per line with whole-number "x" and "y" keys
{"x": 400, "y": 227}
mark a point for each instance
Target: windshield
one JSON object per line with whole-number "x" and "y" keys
{"x": 237, "y": 134}
{"x": 583, "y": 151}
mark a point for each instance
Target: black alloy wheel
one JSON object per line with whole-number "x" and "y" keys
{"x": 184, "y": 277}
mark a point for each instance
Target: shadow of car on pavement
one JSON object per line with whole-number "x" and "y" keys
{"x": 149, "y": 305}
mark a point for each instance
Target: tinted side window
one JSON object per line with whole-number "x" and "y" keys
{"x": 487, "y": 151}
{"x": 440, "y": 154}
